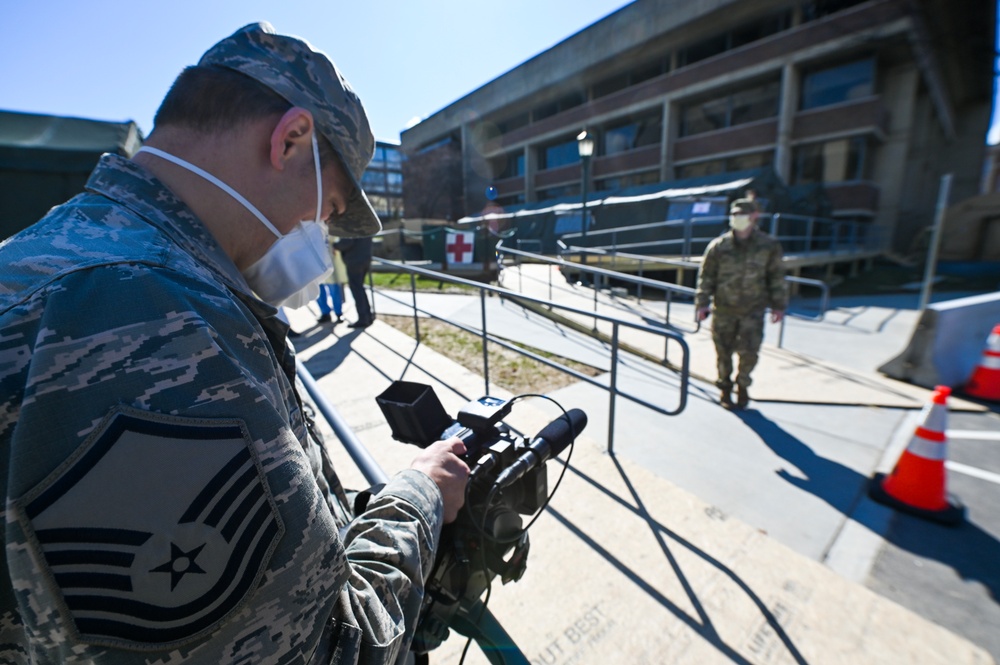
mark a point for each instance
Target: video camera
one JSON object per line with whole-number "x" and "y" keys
{"x": 507, "y": 479}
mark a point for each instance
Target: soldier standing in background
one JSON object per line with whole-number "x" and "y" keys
{"x": 741, "y": 276}
{"x": 167, "y": 496}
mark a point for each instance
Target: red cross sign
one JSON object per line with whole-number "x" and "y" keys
{"x": 458, "y": 246}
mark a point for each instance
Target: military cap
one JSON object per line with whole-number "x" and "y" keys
{"x": 744, "y": 206}
{"x": 308, "y": 78}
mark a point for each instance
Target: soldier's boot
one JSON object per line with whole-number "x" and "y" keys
{"x": 726, "y": 398}
{"x": 742, "y": 397}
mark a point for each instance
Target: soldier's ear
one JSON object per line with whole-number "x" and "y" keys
{"x": 291, "y": 134}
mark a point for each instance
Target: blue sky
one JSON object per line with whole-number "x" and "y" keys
{"x": 114, "y": 59}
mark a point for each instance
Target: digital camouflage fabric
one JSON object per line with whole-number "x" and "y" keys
{"x": 742, "y": 276}
{"x": 740, "y": 279}
{"x": 308, "y": 78}
{"x": 164, "y": 499}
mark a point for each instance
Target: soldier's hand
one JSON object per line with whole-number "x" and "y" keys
{"x": 441, "y": 462}
{"x": 777, "y": 315}
{"x": 703, "y": 313}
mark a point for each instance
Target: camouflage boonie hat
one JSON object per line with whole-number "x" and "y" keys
{"x": 744, "y": 206}
{"x": 308, "y": 78}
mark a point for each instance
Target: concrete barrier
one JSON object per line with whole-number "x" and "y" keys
{"x": 947, "y": 342}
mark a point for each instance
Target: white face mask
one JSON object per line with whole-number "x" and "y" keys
{"x": 740, "y": 222}
{"x": 291, "y": 270}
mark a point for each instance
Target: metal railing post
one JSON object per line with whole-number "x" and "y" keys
{"x": 486, "y": 354}
{"x": 413, "y": 296}
{"x": 614, "y": 387}
{"x": 688, "y": 233}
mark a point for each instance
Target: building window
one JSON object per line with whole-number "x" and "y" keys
{"x": 379, "y": 203}
{"x": 558, "y": 154}
{"x": 510, "y": 166}
{"x": 510, "y": 200}
{"x": 755, "y": 160}
{"x": 558, "y": 192}
{"x": 642, "y": 131}
{"x": 817, "y": 9}
{"x": 631, "y": 180}
{"x": 831, "y": 161}
{"x": 710, "y": 167}
{"x": 735, "y": 108}
{"x": 747, "y": 162}
{"x": 393, "y": 157}
{"x": 565, "y": 103}
{"x": 853, "y": 80}
{"x": 373, "y": 180}
{"x": 516, "y": 122}
{"x": 744, "y": 34}
{"x": 706, "y": 48}
{"x": 395, "y": 182}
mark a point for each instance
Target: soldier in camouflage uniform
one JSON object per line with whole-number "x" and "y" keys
{"x": 167, "y": 499}
{"x": 741, "y": 275}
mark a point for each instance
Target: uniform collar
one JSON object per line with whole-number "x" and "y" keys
{"x": 130, "y": 185}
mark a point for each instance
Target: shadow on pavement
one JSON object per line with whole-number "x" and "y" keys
{"x": 973, "y": 553}
{"x": 838, "y": 485}
{"x": 667, "y": 539}
{"x": 328, "y": 360}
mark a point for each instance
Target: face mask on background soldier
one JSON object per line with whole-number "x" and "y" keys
{"x": 740, "y": 222}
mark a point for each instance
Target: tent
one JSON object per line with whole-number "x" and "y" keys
{"x": 45, "y": 160}
{"x": 707, "y": 196}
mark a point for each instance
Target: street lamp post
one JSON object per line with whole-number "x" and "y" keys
{"x": 585, "y": 144}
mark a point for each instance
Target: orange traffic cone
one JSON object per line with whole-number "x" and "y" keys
{"x": 985, "y": 381}
{"x": 917, "y": 484}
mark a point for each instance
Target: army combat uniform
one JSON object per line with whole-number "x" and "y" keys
{"x": 740, "y": 278}
{"x": 166, "y": 501}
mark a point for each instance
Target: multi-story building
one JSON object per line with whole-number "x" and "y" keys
{"x": 383, "y": 181}
{"x": 875, "y": 99}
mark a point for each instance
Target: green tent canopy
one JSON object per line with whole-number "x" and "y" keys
{"x": 45, "y": 160}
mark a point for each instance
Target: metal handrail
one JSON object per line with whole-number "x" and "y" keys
{"x": 668, "y": 289}
{"x": 811, "y": 233}
{"x": 616, "y": 324}
{"x": 823, "y": 307}
{"x": 537, "y": 258}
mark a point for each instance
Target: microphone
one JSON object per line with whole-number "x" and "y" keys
{"x": 548, "y": 443}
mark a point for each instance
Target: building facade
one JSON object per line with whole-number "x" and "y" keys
{"x": 383, "y": 182}
{"x": 874, "y": 99}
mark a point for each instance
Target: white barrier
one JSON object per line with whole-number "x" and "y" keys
{"x": 947, "y": 343}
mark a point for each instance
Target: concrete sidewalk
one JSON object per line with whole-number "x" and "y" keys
{"x": 628, "y": 565}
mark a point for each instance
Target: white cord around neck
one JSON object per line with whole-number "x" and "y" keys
{"x": 215, "y": 181}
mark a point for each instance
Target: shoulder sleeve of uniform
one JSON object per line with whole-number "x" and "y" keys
{"x": 156, "y": 393}
{"x": 777, "y": 288}
{"x": 391, "y": 547}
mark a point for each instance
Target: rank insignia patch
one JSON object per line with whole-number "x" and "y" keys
{"x": 157, "y": 529}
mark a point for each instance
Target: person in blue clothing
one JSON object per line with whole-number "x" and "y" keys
{"x": 167, "y": 495}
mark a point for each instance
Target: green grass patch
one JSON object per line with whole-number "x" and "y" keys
{"x": 400, "y": 281}
{"x": 509, "y": 369}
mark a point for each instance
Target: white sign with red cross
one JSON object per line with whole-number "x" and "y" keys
{"x": 458, "y": 246}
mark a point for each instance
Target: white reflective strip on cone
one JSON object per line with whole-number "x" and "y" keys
{"x": 990, "y": 361}
{"x": 932, "y": 450}
{"x": 935, "y": 417}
